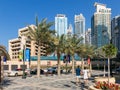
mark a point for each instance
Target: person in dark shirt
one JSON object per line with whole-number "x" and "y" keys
{"x": 78, "y": 71}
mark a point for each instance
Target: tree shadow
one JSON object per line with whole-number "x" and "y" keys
{"x": 81, "y": 86}
{"x": 73, "y": 82}
{"x": 67, "y": 85}
{"x": 7, "y": 82}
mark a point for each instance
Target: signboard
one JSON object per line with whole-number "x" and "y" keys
{"x": 27, "y": 54}
{"x": 21, "y": 55}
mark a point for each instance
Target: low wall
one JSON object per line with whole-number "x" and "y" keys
{"x": 11, "y": 65}
{"x": 101, "y": 79}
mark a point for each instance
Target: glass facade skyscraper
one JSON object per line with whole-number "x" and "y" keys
{"x": 115, "y": 29}
{"x": 88, "y": 36}
{"x": 61, "y": 24}
{"x": 80, "y": 26}
{"x": 101, "y": 25}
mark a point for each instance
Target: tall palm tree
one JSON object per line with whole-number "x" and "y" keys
{"x": 85, "y": 51}
{"x": 100, "y": 54}
{"x": 110, "y": 52}
{"x": 41, "y": 34}
{"x": 59, "y": 45}
{"x": 90, "y": 54}
{"x": 3, "y": 52}
{"x": 72, "y": 44}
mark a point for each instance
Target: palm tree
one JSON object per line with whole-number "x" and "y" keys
{"x": 90, "y": 54}
{"x": 71, "y": 46}
{"x": 41, "y": 34}
{"x": 100, "y": 54}
{"x": 3, "y": 52}
{"x": 85, "y": 51}
{"x": 110, "y": 52}
{"x": 59, "y": 43}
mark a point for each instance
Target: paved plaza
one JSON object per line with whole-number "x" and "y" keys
{"x": 63, "y": 82}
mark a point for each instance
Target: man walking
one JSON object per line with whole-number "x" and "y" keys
{"x": 78, "y": 71}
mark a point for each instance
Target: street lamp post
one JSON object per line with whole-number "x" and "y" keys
{"x": 23, "y": 42}
{"x": 24, "y": 76}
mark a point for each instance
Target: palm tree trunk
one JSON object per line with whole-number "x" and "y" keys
{"x": 108, "y": 70}
{"x": 104, "y": 67}
{"x": 59, "y": 67}
{"x": 82, "y": 64}
{"x": 38, "y": 62}
{"x": 58, "y": 72}
{"x": 90, "y": 69}
{"x": 73, "y": 65}
{"x": 66, "y": 67}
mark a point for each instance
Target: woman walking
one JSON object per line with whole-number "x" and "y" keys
{"x": 85, "y": 75}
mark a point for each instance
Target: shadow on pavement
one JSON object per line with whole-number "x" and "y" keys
{"x": 6, "y": 83}
{"x": 81, "y": 86}
{"x": 1, "y": 88}
{"x": 67, "y": 85}
{"x": 73, "y": 82}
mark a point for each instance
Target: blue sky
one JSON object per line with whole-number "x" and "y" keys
{"x": 15, "y": 14}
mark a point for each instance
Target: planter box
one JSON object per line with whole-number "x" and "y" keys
{"x": 93, "y": 88}
{"x": 101, "y": 79}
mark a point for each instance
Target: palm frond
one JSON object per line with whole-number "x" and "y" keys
{"x": 110, "y": 50}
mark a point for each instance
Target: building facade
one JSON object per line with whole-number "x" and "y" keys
{"x": 115, "y": 31}
{"x": 60, "y": 24}
{"x": 80, "y": 26}
{"x": 101, "y": 25}
{"x": 88, "y": 36}
{"x": 70, "y": 30}
{"x": 17, "y": 45}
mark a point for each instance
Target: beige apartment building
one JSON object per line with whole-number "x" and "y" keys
{"x": 18, "y": 44}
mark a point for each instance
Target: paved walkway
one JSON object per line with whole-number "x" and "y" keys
{"x": 63, "y": 82}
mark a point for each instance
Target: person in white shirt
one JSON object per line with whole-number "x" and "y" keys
{"x": 85, "y": 75}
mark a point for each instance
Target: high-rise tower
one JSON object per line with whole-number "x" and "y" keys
{"x": 80, "y": 26}
{"x": 61, "y": 24}
{"x": 101, "y": 25}
{"x": 88, "y": 36}
{"x": 70, "y": 29}
{"x": 115, "y": 29}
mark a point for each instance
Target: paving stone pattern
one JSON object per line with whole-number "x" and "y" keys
{"x": 63, "y": 82}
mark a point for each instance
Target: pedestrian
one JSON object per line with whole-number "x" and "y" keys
{"x": 85, "y": 75}
{"x": 78, "y": 72}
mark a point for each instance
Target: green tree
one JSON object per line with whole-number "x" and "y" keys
{"x": 4, "y": 52}
{"x": 90, "y": 54}
{"x": 71, "y": 46}
{"x": 100, "y": 54}
{"x": 41, "y": 34}
{"x": 59, "y": 45}
{"x": 110, "y": 52}
{"x": 85, "y": 51}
